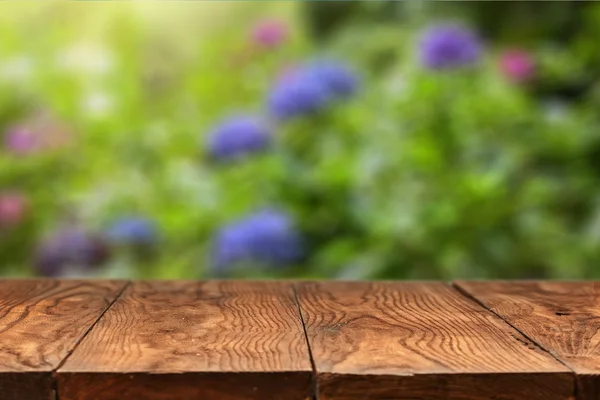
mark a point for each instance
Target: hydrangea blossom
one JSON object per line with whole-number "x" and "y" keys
{"x": 67, "y": 248}
{"x": 133, "y": 230}
{"x": 238, "y": 136}
{"x": 336, "y": 76}
{"x": 307, "y": 89}
{"x": 449, "y": 46}
{"x": 517, "y": 65}
{"x": 268, "y": 238}
{"x": 270, "y": 33}
{"x": 297, "y": 95}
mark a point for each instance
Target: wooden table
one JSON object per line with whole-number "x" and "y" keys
{"x": 226, "y": 340}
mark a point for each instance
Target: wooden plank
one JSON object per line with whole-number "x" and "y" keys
{"x": 401, "y": 341}
{"x": 563, "y": 317}
{"x": 213, "y": 340}
{"x": 41, "y": 322}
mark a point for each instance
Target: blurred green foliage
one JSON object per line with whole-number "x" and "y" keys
{"x": 423, "y": 175}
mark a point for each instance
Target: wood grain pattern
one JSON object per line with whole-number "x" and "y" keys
{"x": 41, "y": 322}
{"x": 563, "y": 317}
{"x": 213, "y": 340}
{"x": 392, "y": 340}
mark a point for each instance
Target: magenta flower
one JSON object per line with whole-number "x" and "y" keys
{"x": 517, "y": 65}
{"x": 13, "y": 208}
{"x": 36, "y": 135}
{"x": 270, "y": 33}
{"x": 21, "y": 140}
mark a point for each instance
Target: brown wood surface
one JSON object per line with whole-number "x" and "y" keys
{"x": 213, "y": 340}
{"x": 41, "y": 322}
{"x": 562, "y": 317}
{"x": 415, "y": 341}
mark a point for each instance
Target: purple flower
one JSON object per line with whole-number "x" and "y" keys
{"x": 337, "y": 77}
{"x": 70, "y": 247}
{"x": 268, "y": 238}
{"x": 270, "y": 33}
{"x": 298, "y": 95}
{"x": 449, "y": 46}
{"x": 237, "y": 137}
{"x": 133, "y": 230}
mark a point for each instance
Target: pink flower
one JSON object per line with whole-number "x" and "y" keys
{"x": 13, "y": 207}
{"x": 21, "y": 140}
{"x": 35, "y": 135}
{"x": 270, "y": 33}
{"x": 517, "y": 65}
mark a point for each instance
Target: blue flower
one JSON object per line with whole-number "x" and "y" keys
{"x": 238, "y": 136}
{"x": 449, "y": 46}
{"x": 133, "y": 230}
{"x": 267, "y": 238}
{"x": 337, "y": 77}
{"x": 70, "y": 247}
{"x": 299, "y": 95}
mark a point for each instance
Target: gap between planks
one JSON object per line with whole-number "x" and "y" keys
{"x": 474, "y": 299}
{"x": 87, "y": 331}
{"x": 315, "y": 375}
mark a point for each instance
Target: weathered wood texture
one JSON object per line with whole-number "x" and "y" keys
{"x": 563, "y": 317}
{"x": 228, "y": 340}
{"x": 41, "y": 322}
{"x": 218, "y": 340}
{"x": 417, "y": 341}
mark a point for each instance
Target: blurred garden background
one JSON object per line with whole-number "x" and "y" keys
{"x": 340, "y": 140}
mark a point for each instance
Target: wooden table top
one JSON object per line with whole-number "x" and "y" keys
{"x": 326, "y": 340}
